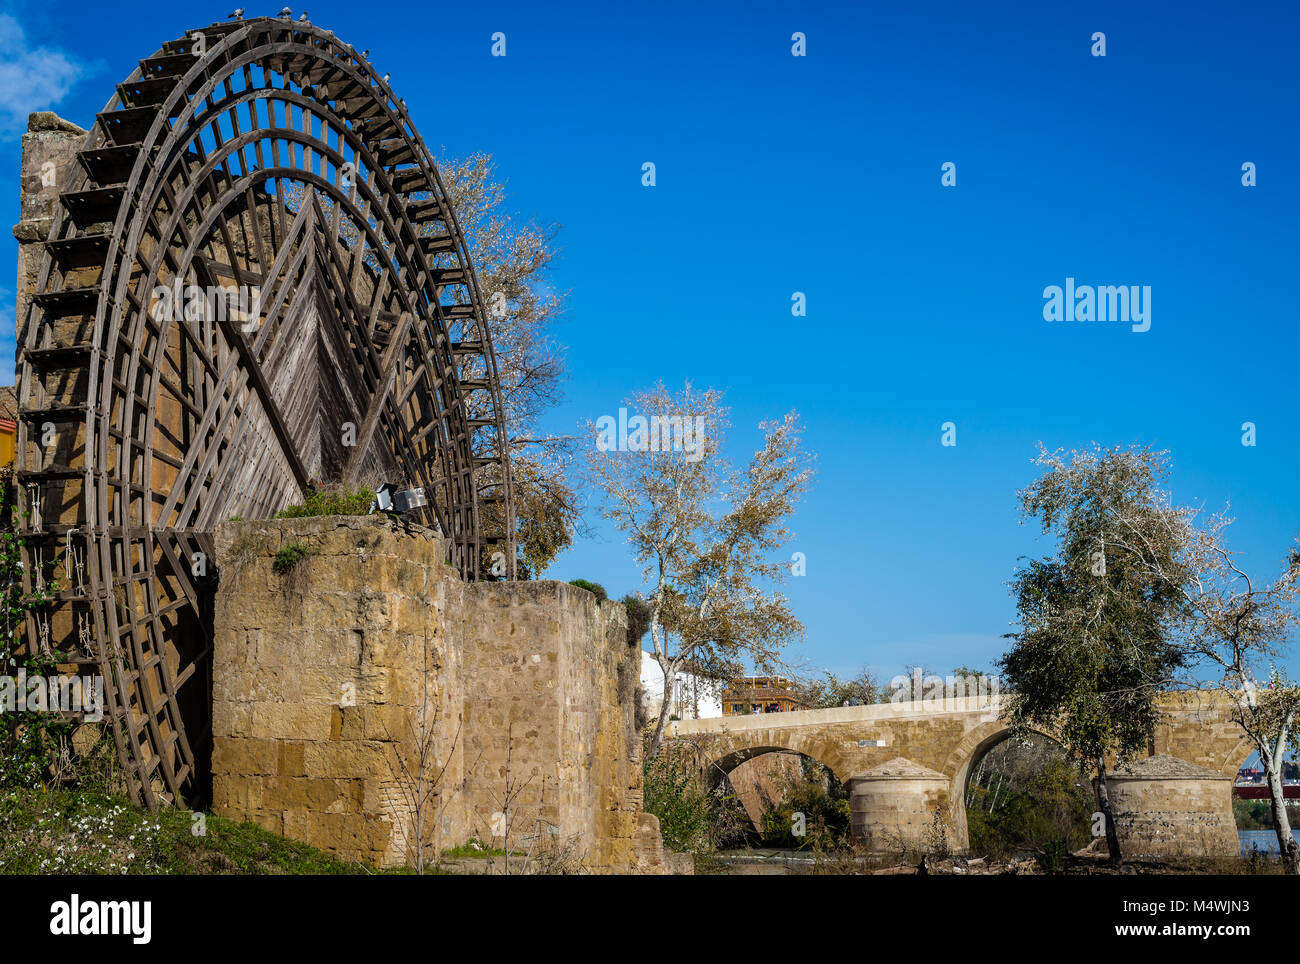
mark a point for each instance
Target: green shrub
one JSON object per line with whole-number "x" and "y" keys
{"x": 638, "y": 617}
{"x": 289, "y": 556}
{"x": 1043, "y": 811}
{"x": 35, "y": 747}
{"x": 591, "y": 587}
{"x": 1053, "y": 855}
{"x": 672, "y": 794}
{"x": 819, "y": 796}
{"x": 331, "y": 503}
{"x": 472, "y": 848}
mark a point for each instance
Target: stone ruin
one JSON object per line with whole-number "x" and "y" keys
{"x": 369, "y": 681}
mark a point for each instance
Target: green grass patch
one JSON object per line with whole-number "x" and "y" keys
{"x": 76, "y": 832}
{"x": 471, "y": 848}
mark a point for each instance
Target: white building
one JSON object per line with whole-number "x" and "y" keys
{"x": 694, "y": 698}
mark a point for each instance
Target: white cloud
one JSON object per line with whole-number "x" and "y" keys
{"x": 31, "y": 79}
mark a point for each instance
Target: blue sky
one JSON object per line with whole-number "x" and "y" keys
{"x": 821, "y": 174}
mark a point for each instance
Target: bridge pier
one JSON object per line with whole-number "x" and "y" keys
{"x": 1167, "y": 807}
{"x": 901, "y": 805}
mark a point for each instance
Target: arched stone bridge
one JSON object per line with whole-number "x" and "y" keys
{"x": 905, "y": 761}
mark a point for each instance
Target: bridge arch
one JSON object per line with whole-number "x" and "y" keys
{"x": 972, "y": 747}
{"x": 1235, "y": 758}
{"x": 718, "y": 767}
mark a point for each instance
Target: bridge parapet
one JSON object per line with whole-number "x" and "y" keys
{"x": 868, "y": 713}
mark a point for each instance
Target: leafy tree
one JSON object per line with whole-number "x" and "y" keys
{"x": 1093, "y": 648}
{"x": 638, "y": 618}
{"x": 512, "y": 259}
{"x": 707, "y": 535}
{"x": 860, "y": 689}
{"x": 594, "y": 588}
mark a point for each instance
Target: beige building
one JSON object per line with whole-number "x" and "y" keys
{"x": 760, "y": 694}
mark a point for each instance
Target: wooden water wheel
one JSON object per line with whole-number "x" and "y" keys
{"x": 255, "y": 285}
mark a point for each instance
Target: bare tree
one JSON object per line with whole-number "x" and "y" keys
{"x": 704, "y": 531}
{"x": 512, "y": 259}
{"x": 862, "y": 689}
{"x": 1236, "y": 626}
{"x": 1270, "y": 717}
{"x": 508, "y": 804}
{"x": 510, "y": 822}
{"x": 420, "y": 774}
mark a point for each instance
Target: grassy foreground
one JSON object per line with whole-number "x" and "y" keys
{"x": 76, "y": 832}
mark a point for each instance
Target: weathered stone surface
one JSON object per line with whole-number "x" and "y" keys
{"x": 899, "y": 805}
{"x": 46, "y": 120}
{"x": 330, "y": 678}
{"x": 901, "y": 769}
{"x": 1162, "y": 766}
{"x": 49, "y": 159}
{"x": 1167, "y": 807}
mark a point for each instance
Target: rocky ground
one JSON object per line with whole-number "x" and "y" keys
{"x": 1086, "y": 862}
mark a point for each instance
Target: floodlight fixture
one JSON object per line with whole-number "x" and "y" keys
{"x": 391, "y": 500}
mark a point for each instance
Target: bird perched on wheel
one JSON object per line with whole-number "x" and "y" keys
{"x": 236, "y": 14}
{"x": 286, "y": 12}
{"x": 303, "y": 18}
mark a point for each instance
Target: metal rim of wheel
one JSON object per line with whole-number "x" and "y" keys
{"x": 264, "y": 165}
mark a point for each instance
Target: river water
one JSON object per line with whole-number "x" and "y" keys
{"x": 1265, "y": 840}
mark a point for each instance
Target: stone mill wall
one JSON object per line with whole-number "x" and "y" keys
{"x": 50, "y": 148}
{"x": 366, "y": 697}
{"x": 550, "y": 708}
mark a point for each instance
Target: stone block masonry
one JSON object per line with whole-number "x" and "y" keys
{"x": 50, "y": 148}
{"x": 367, "y": 698}
{"x": 1166, "y": 806}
